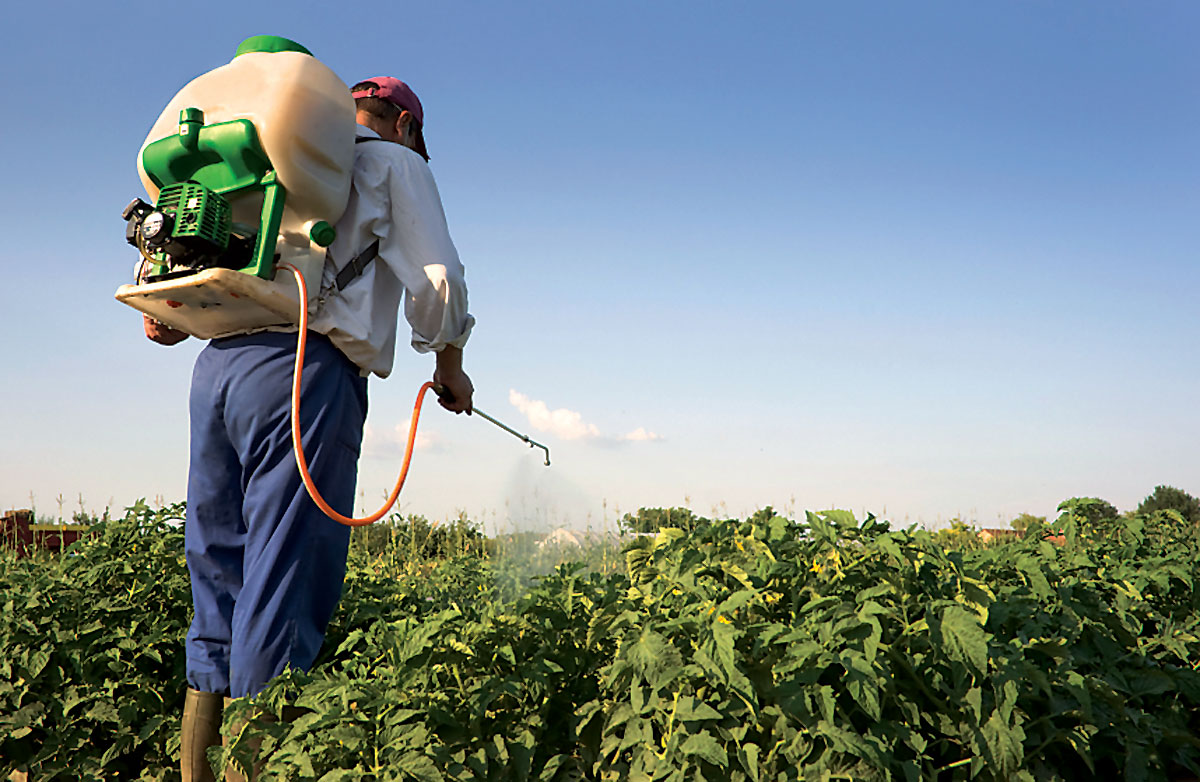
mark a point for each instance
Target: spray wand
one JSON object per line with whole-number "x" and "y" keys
{"x": 445, "y": 395}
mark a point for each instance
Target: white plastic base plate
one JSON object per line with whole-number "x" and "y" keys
{"x": 217, "y": 302}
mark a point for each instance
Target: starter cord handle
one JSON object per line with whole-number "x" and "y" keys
{"x": 298, "y": 446}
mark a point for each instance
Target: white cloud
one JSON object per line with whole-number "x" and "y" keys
{"x": 640, "y": 435}
{"x": 568, "y": 424}
{"x": 564, "y": 423}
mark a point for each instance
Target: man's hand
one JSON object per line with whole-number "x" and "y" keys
{"x": 161, "y": 332}
{"x": 449, "y": 373}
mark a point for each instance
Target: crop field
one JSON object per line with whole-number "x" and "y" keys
{"x": 821, "y": 648}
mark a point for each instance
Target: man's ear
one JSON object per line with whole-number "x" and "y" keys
{"x": 404, "y": 120}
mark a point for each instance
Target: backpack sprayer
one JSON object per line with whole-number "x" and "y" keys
{"x": 255, "y": 190}
{"x": 247, "y": 167}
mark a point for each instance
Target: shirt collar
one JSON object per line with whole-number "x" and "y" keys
{"x": 362, "y": 131}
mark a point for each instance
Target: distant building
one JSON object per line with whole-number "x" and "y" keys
{"x": 997, "y": 535}
{"x": 575, "y": 538}
{"x": 19, "y": 532}
{"x": 561, "y": 538}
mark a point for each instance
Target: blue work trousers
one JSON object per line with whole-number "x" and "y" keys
{"x": 266, "y": 564}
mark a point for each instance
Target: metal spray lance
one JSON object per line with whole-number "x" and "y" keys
{"x": 445, "y": 395}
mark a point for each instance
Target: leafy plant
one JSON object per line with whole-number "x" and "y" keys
{"x": 766, "y": 649}
{"x": 91, "y": 664}
{"x": 771, "y": 649}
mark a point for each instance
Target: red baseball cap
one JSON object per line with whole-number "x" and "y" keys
{"x": 402, "y": 97}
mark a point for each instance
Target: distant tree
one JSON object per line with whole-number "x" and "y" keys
{"x": 1092, "y": 509}
{"x": 654, "y": 519}
{"x": 1025, "y": 521}
{"x": 1170, "y": 498}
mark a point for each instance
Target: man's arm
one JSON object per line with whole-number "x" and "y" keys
{"x": 155, "y": 330}
{"x": 449, "y": 373}
{"x": 161, "y": 332}
{"x": 415, "y": 244}
{"x": 418, "y": 249}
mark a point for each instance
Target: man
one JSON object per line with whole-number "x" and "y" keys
{"x": 266, "y": 564}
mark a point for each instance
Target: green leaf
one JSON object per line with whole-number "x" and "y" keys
{"x": 551, "y": 767}
{"x": 866, "y": 693}
{"x": 618, "y": 716}
{"x": 819, "y": 603}
{"x": 152, "y": 724}
{"x": 1035, "y": 576}
{"x": 637, "y": 697}
{"x": 749, "y": 758}
{"x": 974, "y": 699}
{"x": 827, "y": 702}
{"x": 841, "y": 517}
{"x": 964, "y": 638}
{"x": 705, "y": 746}
{"x": 724, "y": 638}
{"x": 648, "y": 652}
{"x": 1004, "y": 745}
{"x": 36, "y": 662}
{"x": 667, "y": 536}
{"x": 420, "y": 766}
{"x": 846, "y": 741}
{"x": 341, "y": 775}
{"x": 637, "y": 731}
{"x": 689, "y": 710}
{"x": 735, "y": 601}
{"x": 738, "y": 573}
{"x": 102, "y": 711}
{"x": 506, "y": 651}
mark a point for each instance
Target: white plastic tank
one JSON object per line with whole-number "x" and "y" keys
{"x": 304, "y": 116}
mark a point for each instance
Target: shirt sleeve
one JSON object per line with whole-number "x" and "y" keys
{"x": 416, "y": 246}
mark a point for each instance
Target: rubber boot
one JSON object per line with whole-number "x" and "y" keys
{"x": 201, "y": 730}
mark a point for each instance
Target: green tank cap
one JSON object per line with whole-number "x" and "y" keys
{"x": 190, "y": 122}
{"x": 269, "y": 43}
{"x": 322, "y": 233}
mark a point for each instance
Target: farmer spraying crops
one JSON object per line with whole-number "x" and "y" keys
{"x": 266, "y": 563}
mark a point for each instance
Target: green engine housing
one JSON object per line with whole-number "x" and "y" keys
{"x": 200, "y": 219}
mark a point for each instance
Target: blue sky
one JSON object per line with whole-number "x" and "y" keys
{"x": 922, "y": 259}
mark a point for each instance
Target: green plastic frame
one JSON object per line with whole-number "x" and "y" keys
{"x": 228, "y": 158}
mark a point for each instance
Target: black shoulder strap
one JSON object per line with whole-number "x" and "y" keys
{"x": 358, "y": 265}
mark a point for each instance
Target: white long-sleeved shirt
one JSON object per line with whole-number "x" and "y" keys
{"x": 394, "y": 199}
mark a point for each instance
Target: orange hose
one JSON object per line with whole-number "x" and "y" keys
{"x": 298, "y": 447}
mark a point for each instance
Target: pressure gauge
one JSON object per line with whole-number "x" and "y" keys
{"x": 156, "y": 228}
